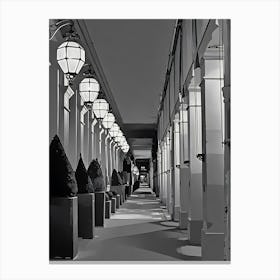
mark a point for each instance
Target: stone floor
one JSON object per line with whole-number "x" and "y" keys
{"x": 140, "y": 230}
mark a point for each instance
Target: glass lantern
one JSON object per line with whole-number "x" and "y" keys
{"x": 71, "y": 58}
{"x": 108, "y": 121}
{"x": 100, "y": 108}
{"x": 114, "y": 130}
{"x": 89, "y": 89}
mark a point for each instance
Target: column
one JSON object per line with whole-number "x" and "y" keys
{"x": 195, "y": 151}
{"x": 102, "y": 153}
{"x": 226, "y": 95}
{"x": 86, "y": 138}
{"x": 93, "y": 139}
{"x": 83, "y": 133}
{"x": 151, "y": 172}
{"x": 164, "y": 193}
{"x": 110, "y": 158}
{"x": 107, "y": 157}
{"x": 184, "y": 166}
{"x": 159, "y": 156}
{"x": 73, "y": 129}
{"x": 213, "y": 148}
{"x": 176, "y": 177}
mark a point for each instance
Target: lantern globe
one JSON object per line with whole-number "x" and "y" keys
{"x": 108, "y": 120}
{"x": 100, "y": 108}
{"x": 89, "y": 90}
{"x": 114, "y": 130}
{"x": 70, "y": 56}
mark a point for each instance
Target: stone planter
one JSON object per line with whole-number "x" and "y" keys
{"x": 108, "y": 209}
{"x": 113, "y": 205}
{"x": 86, "y": 215}
{"x": 99, "y": 209}
{"x": 118, "y": 201}
{"x": 63, "y": 227}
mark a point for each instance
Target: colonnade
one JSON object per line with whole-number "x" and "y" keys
{"x": 194, "y": 152}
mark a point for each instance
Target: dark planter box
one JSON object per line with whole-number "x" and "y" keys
{"x": 113, "y": 205}
{"x": 118, "y": 201}
{"x": 63, "y": 227}
{"x": 86, "y": 215}
{"x": 108, "y": 209}
{"x": 99, "y": 209}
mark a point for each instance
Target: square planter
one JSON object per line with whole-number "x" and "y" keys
{"x": 108, "y": 209}
{"x": 86, "y": 215}
{"x": 113, "y": 205}
{"x": 63, "y": 227}
{"x": 118, "y": 201}
{"x": 99, "y": 209}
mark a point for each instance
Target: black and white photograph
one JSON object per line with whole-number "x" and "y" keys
{"x": 139, "y": 139}
{"x": 139, "y": 114}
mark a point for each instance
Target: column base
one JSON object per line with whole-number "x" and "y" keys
{"x": 176, "y": 214}
{"x": 194, "y": 231}
{"x": 212, "y": 246}
{"x": 183, "y": 220}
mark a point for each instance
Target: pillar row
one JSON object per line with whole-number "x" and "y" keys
{"x": 213, "y": 165}
{"x": 184, "y": 165}
{"x": 195, "y": 153}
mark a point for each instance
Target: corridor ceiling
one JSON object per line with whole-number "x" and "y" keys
{"x": 134, "y": 56}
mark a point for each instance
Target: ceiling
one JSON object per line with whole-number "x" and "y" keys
{"x": 134, "y": 56}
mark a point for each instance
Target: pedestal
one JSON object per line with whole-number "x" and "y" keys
{"x": 99, "y": 209}
{"x": 108, "y": 209}
{"x": 113, "y": 205}
{"x": 63, "y": 227}
{"x": 86, "y": 215}
{"x": 118, "y": 201}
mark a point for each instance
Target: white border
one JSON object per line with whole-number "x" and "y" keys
{"x": 24, "y": 138}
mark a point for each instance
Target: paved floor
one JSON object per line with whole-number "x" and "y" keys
{"x": 139, "y": 231}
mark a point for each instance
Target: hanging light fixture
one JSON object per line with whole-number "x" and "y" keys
{"x": 119, "y": 136}
{"x": 100, "y": 108}
{"x": 108, "y": 120}
{"x": 114, "y": 130}
{"x": 89, "y": 89}
{"x": 70, "y": 56}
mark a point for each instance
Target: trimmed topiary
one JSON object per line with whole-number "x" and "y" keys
{"x": 62, "y": 177}
{"x": 115, "y": 178}
{"x": 95, "y": 173}
{"x": 82, "y": 178}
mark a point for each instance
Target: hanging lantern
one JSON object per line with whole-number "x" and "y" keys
{"x": 119, "y": 136}
{"x": 89, "y": 89}
{"x": 100, "y": 108}
{"x": 114, "y": 130}
{"x": 71, "y": 58}
{"x": 123, "y": 141}
{"x": 135, "y": 169}
{"x": 108, "y": 120}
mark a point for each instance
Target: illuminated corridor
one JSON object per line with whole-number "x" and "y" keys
{"x": 139, "y": 135}
{"x": 136, "y": 233}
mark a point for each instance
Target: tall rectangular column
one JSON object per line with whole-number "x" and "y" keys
{"x": 213, "y": 137}
{"x": 176, "y": 170}
{"x": 195, "y": 151}
{"x": 184, "y": 166}
{"x": 73, "y": 130}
